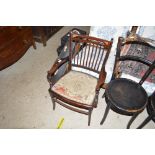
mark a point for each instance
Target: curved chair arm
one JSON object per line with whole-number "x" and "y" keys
{"x": 58, "y": 63}
{"x": 101, "y": 80}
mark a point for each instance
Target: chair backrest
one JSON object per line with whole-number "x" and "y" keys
{"x": 89, "y": 53}
{"x": 119, "y": 57}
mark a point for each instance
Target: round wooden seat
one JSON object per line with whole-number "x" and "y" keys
{"x": 126, "y": 96}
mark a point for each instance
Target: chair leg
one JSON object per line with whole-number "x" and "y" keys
{"x": 147, "y": 120}
{"x": 105, "y": 114}
{"x": 131, "y": 120}
{"x": 89, "y": 116}
{"x": 34, "y": 44}
{"x": 54, "y": 105}
{"x": 103, "y": 95}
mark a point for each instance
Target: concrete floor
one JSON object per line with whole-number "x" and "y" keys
{"x": 25, "y": 102}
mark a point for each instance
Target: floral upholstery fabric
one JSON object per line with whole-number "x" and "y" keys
{"x": 77, "y": 86}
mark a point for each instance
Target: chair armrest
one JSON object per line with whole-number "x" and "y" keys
{"x": 58, "y": 63}
{"x": 101, "y": 80}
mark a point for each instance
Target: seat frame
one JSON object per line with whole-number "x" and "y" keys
{"x": 75, "y": 44}
{"x": 117, "y": 74}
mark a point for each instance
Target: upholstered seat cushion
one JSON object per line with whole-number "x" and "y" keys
{"x": 76, "y": 86}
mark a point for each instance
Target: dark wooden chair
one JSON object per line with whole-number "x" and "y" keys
{"x": 78, "y": 88}
{"x": 125, "y": 96}
{"x": 150, "y": 110}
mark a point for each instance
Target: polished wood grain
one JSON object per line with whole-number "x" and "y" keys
{"x": 14, "y": 42}
{"x": 41, "y": 34}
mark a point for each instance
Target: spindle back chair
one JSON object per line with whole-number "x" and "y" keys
{"x": 85, "y": 74}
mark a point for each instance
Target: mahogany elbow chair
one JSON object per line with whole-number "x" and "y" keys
{"x": 84, "y": 75}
